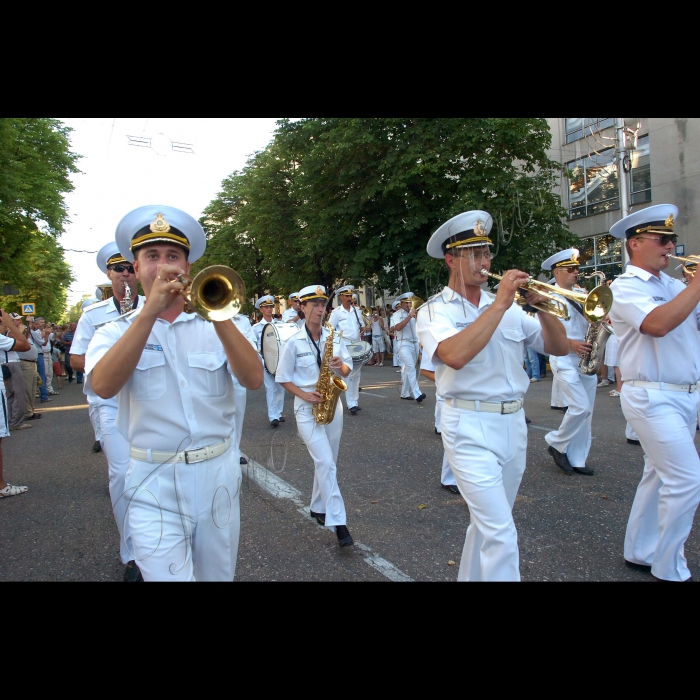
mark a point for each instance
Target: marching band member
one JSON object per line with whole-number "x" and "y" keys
{"x": 298, "y": 372}
{"x": 394, "y": 343}
{"x": 656, "y": 320}
{"x": 570, "y": 445}
{"x": 103, "y": 412}
{"x": 294, "y": 314}
{"x": 349, "y": 320}
{"x": 475, "y": 340}
{"x": 404, "y": 324}
{"x": 274, "y": 393}
{"x": 171, "y": 372}
{"x": 447, "y": 478}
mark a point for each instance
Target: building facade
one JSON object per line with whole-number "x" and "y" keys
{"x": 663, "y": 168}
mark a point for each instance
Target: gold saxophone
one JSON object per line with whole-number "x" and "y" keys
{"x": 329, "y": 385}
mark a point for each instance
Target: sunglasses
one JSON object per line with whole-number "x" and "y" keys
{"x": 663, "y": 240}
{"x": 121, "y": 268}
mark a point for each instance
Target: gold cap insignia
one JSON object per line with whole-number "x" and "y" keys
{"x": 669, "y": 222}
{"x": 319, "y": 290}
{"x": 160, "y": 225}
{"x": 575, "y": 254}
{"x": 480, "y": 229}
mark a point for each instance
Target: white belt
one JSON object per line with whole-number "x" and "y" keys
{"x": 502, "y": 407}
{"x": 189, "y": 456}
{"x": 664, "y": 386}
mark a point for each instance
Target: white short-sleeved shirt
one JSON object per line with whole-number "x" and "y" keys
{"x": 298, "y": 361}
{"x": 6, "y": 345}
{"x": 350, "y": 322}
{"x": 12, "y": 356}
{"x": 180, "y": 395}
{"x": 408, "y": 332}
{"x": 576, "y": 329}
{"x": 100, "y": 312}
{"x": 675, "y": 358}
{"x": 496, "y": 373}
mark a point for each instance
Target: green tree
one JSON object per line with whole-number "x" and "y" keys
{"x": 356, "y": 200}
{"x": 35, "y": 166}
{"x": 74, "y": 312}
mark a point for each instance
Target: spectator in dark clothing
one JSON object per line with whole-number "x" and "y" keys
{"x": 67, "y": 342}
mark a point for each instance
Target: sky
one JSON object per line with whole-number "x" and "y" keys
{"x": 116, "y": 177}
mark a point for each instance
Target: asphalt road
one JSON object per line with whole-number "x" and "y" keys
{"x": 571, "y": 528}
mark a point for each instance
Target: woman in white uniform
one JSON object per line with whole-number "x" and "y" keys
{"x": 298, "y": 371}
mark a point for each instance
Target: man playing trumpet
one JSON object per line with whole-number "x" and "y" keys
{"x": 476, "y": 340}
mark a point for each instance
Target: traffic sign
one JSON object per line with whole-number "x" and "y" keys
{"x": 28, "y": 309}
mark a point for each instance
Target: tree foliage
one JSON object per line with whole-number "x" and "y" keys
{"x": 356, "y": 200}
{"x": 35, "y": 165}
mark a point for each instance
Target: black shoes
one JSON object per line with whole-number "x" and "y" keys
{"x": 633, "y": 442}
{"x": 407, "y": 398}
{"x": 343, "y": 534}
{"x": 558, "y": 408}
{"x": 243, "y": 460}
{"x": 34, "y": 416}
{"x": 638, "y": 567}
{"x": 584, "y": 470}
{"x": 274, "y": 423}
{"x": 527, "y": 420}
{"x": 437, "y": 432}
{"x": 560, "y": 459}
{"x": 282, "y": 419}
{"x": 97, "y": 447}
{"x": 354, "y": 410}
{"x": 450, "y": 487}
{"x": 421, "y": 397}
{"x": 132, "y": 573}
{"x": 320, "y": 517}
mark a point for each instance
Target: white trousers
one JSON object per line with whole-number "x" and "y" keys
{"x": 274, "y": 393}
{"x": 574, "y": 435}
{"x": 558, "y": 398}
{"x": 94, "y": 413}
{"x": 239, "y": 397}
{"x": 185, "y": 518}
{"x": 629, "y": 432}
{"x": 487, "y": 455}
{"x": 669, "y": 492}
{"x": 322, "y": 442}
{"x": 395, "y": 350}
{"x": 409, "y": 379}
{"x": 447, "y": 478}
{"x": 352, "y": 395}
{"x": 116, "y": 450}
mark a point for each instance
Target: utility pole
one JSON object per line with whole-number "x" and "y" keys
{"x": 623, "y": 164}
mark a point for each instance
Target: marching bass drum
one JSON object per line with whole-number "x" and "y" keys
{"x": 273, "y": 335}
{"x": 360, "y": 352}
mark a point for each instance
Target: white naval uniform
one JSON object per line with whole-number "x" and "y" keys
{"x": 669, "y": 492}
{"x": 184, "y": 517}
{"x": 103, "y": 413}
{"x": 407, "y": 343}
{"x": 350, "y": 322}
{"x": 239, "y": 391}
{"x": 557, "y": 399}
{"x": 447, "y": 478}
{"x": 486, "y": 450}
{"x": 574, "y": 434}
{"x": 298, "y": 364}
{"x": 274, "y": 393}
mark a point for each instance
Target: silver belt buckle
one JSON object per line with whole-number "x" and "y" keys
{"x": 510, "y": 404}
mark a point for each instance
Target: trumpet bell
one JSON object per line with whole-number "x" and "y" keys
{"x": 416, "y": 302}
{"x": 217, "y": 293}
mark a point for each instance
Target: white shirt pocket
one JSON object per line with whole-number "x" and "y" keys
{"x": 148, "y": 380}
{"x": 515, "y": 335}
{"x": 208, "y": 373}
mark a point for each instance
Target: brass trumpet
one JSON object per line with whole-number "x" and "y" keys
{"x": 217, "y": 293}
{"x": 594, "y": 305}
{"x": 690, "y": 263}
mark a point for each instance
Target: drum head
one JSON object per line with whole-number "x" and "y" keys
{"x": 270, "y": 346}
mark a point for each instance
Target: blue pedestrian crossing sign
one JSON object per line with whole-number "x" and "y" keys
{"x": 28, "y": 309}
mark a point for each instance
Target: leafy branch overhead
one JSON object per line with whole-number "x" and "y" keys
{"x": 355, "y": 200}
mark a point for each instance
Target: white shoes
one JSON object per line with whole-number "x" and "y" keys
{"x": 604, "y": 382}
{"x": 11, "y": 490}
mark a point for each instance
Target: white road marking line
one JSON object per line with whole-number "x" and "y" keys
{"x": 369, "y": 393}
{"x": 279, "y": 488}
{"x": 539, "y": 427}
